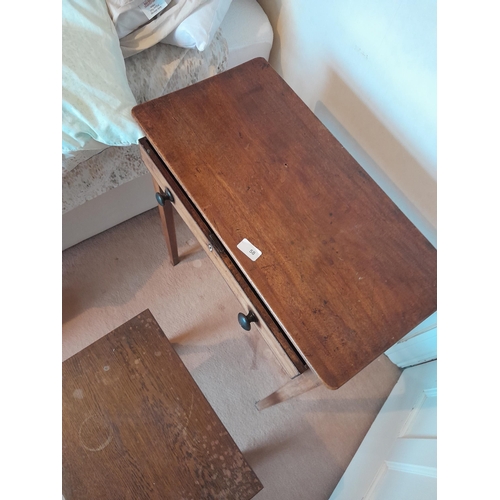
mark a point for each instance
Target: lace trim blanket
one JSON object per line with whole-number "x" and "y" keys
{"x": 152, "y": 73}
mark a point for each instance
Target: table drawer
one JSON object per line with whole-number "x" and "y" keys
{"x": 276, "y": 340}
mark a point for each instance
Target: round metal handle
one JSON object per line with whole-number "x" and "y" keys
{"x": 245, "y": 321}
{"x": 161, "y": 198}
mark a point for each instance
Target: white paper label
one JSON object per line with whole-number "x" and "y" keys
{"x": 152, "y": 7}
{"x": 249, "y": 250}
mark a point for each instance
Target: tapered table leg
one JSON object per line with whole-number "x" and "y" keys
{"x": 168, "y": 227}
{"x": 297, "y": 386}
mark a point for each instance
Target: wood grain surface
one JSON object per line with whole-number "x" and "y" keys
{"x": 342, "y": 269}
{"x": 270, "y": 331}
{"x": 136, "y": 425}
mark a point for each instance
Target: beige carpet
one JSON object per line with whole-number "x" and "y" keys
{"x": 298, "y": 449}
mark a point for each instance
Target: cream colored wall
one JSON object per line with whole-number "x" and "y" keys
{"x": 368, "y": 71}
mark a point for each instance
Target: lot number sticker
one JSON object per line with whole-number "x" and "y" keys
{"x": 249, "y": 250}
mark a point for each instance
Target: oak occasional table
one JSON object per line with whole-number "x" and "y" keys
{"x": 322, "y": 261}
{"x": 136, "y": 425}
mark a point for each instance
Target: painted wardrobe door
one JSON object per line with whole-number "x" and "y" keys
{"x": 397, "y": 459}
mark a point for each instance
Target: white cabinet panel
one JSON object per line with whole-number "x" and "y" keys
{"x": 398, "y": 459}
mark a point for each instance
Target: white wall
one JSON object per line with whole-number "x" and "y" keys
{"x": 367, "y": 69}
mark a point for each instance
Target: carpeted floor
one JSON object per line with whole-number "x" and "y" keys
{"x": 298, "y": 449}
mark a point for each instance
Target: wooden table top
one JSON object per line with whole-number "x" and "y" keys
{"x": 136, "y": 425}
{"x": 343, "y": 271}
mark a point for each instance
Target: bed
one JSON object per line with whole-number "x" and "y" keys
{"x": 104, "y": 187}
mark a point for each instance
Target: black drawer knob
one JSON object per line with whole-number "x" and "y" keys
{"x": 161, "y": 198}
{"x": 245, "y": 321}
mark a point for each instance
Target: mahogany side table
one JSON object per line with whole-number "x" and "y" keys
{"x": 321, "y": 259}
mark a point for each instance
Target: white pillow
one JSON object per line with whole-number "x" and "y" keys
{"x": 199, "y": 28}
{"x": 96, "y": 97}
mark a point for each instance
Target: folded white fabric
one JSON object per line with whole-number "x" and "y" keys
{"x": 199, "y": 28}
{"x": 158, "y": 27}
{"x": 96, "y": 97}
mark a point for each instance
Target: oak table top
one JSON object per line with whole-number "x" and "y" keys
{"x": 136, "y": 425}
{"x": 342, "y": 270}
